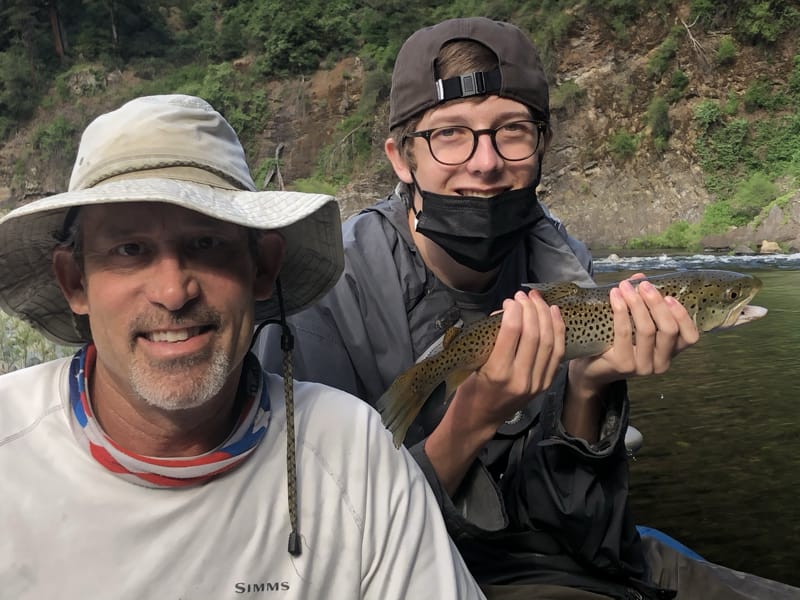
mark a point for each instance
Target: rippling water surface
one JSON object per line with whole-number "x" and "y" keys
{"x": 720, "y": 464}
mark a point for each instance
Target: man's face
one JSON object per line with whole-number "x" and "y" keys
{"x": 486, "y": 173}
{"x": 170, "y": 298}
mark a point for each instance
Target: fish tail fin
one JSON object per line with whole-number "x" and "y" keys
{"x": 401, "y": 403}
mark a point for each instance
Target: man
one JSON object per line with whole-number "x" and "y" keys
{"x": 527, "y": 459}
{"x": 156, "y": 462}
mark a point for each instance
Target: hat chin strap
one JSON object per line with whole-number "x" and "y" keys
{"x": 287, "y": 345}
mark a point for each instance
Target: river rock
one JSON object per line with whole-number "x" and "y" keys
{"x": 768, "y": 247}
{"x": 733, "y": 238}
{"x": 780, "y": 224}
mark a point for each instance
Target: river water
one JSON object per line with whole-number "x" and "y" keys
{"x": 720, "y": 465}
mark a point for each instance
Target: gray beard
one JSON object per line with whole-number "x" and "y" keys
{"x": 163, "y": 387}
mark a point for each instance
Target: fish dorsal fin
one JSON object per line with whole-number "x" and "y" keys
{"x": 450, "y": 335}
{"x": 438, "y": 345}
{"x": 555, "y": 292}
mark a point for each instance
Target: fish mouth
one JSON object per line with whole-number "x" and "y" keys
{"x": 743, "y": 312}
{"x": 749, "y": 313}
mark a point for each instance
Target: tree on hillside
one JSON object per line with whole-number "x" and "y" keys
{"x": 110, "y": 30}
{"x": 59, "y": 35}
{"x": 24, "y": 64}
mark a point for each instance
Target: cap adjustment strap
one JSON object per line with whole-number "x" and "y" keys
{"x": 478, "y": 83}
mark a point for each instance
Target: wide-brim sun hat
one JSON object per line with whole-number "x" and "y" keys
{"x": 172, "y": 149}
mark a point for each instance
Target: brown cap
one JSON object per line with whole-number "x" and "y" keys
{"x": 519, "y": 76}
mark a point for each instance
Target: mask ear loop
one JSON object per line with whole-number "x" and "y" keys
{"x": 410, "y": 197}
{"x": 287, "y": 345}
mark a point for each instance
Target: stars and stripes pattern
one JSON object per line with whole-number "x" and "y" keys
{"x": 175, "y": 471}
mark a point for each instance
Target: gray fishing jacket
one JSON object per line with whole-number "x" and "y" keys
{"x": 538, "y": 506}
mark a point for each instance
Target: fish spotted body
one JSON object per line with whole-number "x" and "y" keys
{"x": 714, "y": 300}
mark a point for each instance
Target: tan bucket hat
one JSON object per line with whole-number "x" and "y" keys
{"x": 175, "y": 149}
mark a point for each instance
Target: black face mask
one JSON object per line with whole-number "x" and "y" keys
{"x": 478, "y": 232}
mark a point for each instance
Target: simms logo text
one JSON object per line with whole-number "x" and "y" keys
{"x": 265, "y": 586}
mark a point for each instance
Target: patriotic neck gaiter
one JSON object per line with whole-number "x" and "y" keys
{"x": 168, "y": 472}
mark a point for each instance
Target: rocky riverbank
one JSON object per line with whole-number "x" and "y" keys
{"x": 778, "y": 231}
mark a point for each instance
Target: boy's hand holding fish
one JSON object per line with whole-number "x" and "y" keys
{"x": 522, "y": 363}
{"x": 529, "y": 347}
{"x": 663, "y": 329}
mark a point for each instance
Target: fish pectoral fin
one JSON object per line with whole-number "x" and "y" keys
{"x": 555, "y": 292}
{"x": 455, "y": 379}
{"x": 400, "y": 404}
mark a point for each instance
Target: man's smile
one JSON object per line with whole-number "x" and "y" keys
{"x": 175, "y": 335}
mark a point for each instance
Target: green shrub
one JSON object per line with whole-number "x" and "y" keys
{"x": 758, "y": 95}
{"x": 678, "y": 84}
{"x": 717, "y": 218}
{"x": 16, "y": 100}
{"x": 658, "y": 118}
{"x": 707, "y": 114}
{"x": 549, "y": 28}
{"x": 794, "y": 76}
{"x": 705, "y": 11}
{"x": 352, "y": 146}
{"x": 678, "y": 235}
{"x": 22, "y": 346}
{"x": 752, "y": 195}
{"x": 568, "y": 96}
{"x": 294, "y": 37}
{"x": 731, "y": 105}
{"x": 6, "y": 126}
{"x": 314, "y": 185}
{"x": 725, "y": 151}
{"x": 763, "y": 22}
{"x": 776, "y": 143}
{"x": 662, "y": 56}
{"x": 726, "y": 51}
{"x": 622, "y": 145}
{"x": 55, "y": 140}
{"x": 660, "y": 144}
{"x": 375, "y": 89}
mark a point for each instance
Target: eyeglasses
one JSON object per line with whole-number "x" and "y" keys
{"x": 455, "y": 144}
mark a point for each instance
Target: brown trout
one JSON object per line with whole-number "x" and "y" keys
{"x": 714, "y": 299}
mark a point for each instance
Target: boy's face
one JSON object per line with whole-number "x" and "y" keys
{"x": 486, "y": 173}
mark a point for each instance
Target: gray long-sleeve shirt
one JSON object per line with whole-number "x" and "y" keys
{"x": 537, "y": 505}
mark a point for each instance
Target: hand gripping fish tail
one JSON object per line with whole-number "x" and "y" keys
{"x": 715, "y": 299}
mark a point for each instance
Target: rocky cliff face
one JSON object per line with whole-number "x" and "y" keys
{"x": 607, "y": 202}
{"x": 603, "y": 201}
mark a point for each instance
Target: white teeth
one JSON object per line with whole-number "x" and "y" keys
{"x": 172, "y": 335}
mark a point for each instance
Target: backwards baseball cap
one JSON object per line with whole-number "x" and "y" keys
{"x": 175, "y": 149}
{"x": 519, "y": 74}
